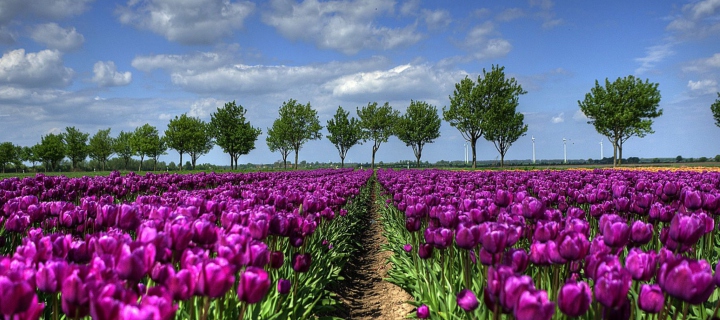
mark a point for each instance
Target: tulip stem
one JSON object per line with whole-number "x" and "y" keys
{"x": 717, "y": 306}
{"x": 243, "y": 305}
{"x": 685, "y": 310}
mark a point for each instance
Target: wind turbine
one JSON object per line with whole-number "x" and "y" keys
{"x": 601, "y": 150}
{"x": 565, "y": 148}
{"x": 466, "y": 152}
{"x": 533, "y": 140}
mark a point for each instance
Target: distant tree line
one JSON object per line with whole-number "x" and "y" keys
{"x": 486, "y": 108}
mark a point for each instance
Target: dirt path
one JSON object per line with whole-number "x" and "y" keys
{"x": 364, "y": 293}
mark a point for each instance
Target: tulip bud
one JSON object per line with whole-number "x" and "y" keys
{"x": 574, "y": 298}
{"x": 253, "y": 286}
{"x": 467, "y": 300}
{"x": 641, "y": 265}
{"x": 423, "y": 312}
{"x": 651, "y": 298}
{"x": 301, "y": 262}
{"x": 534, "y": 305}
{"x": 283, "y": 286}
{"x": 641, "y": 232}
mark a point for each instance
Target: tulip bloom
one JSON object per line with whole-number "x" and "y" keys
{"x": 641, "y": 232}
{"x": 534, "y": 305}
{"x": 467, "y": 300}
{"x": 513, "y": 288}
{"x": 572, "y": 245}
{"x": 686, "y": 229}
{"x": 651, "y": 298}
{"x": 253, "y": 286}
{"x": 574, "y": 298}
{"x": 423, "y": 312}
{"x": 283, "y": 286}
{"x": 687, "y": 279}
{"x": 641, "y": 265}
{"x": 301, "y": 262}
{"x": 612, "y": 286}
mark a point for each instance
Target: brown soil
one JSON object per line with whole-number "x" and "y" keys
{"x": 364, "y": 293}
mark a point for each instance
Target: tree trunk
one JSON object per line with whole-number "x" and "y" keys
{"x": 473, "y": 141}
{"x": 372, "y": 164}
{"x": 154, "y": 164}
{"x": 502, "y": 160}
{"x": 620, "y": 154}
{"x": 180, "y": 167}
{"x": 103, "y": 166}
{"x": 296, "y": 158}
{"x": 141, "y": 161}
{"x": 342, "y": 162}
{"x": 614, "y": 153}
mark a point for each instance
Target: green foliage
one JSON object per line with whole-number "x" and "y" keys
{"x": 502, "y": 124}
{"x": 189, "y": 135}
{"x": 51, "y": 150}
{"x": 679, "y": 159}
{"x": 378, "y": 124}
{"x": 296, "y": 125}
{"x": 123, "y": 148}
{"x": 717, "y": 158}
{"x": 232, "y": 132}
{"x": 622, "y": 109}
{"x": 76, "y": 147}
{"x": 715, "y": 108}
{"x": 474, "y": 106}
{"x": 419, "y": 125}
{"x": 101, "y": 147}
{"x": 145, "y": 141}
{"x": 345, "y": 132}
{"x": 8, "y": 154}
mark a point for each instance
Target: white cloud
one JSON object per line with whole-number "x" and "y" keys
{"x": 6, "y": 36}
{"x": 53, "y": 9}
{"x": 510, "y": 14}
{"x": 436, "y": 19}
{"x": 703, "y": 65}
{"x": 34, "y": 69}
{"x": 177, "y": 63}
{"x": 56, "y": 37}
{"x": 654, "y": 55}
{"x": 187, "y": 21}
{"x": 546, "y": 13}
{"x": 706, "y": 86}
{"x": 698, "y": 19}
{"x": 559, "y": 118}
{"x": 106, "y": 75}
{"x": 479, "y": 42}
{"x": 345, "y": 26}
{"x": 579, "y": 116}
{"x": 204, "y": 107}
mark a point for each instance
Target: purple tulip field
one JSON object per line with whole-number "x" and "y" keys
{"x": 169, "y": 246}
{"x": 575, "y": 244}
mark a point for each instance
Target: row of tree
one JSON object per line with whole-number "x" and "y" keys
{"x": 485, "y": 108}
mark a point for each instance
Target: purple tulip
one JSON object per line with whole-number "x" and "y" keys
{"x": 692, "y": 200}
{"x": 612, "y": 285}
{"x": 464, "y": 238}
{"x": 50, "y": 275}
{"x": 687, "y": 279}
{"x": 182, "y": 284}
{"x": 641, "y": 232}
{"x": 574, "y": 298}
{"x": 641, "y": 265}
{"x": 572, "y": 245}
{"x": 539, "y": 253}
{"x": 517, "y": 259}
{"x": 494, "y": 240}
{"x": 407, "y": 247}
{"x": 467, "y": 300}
{"x": 283, "y": 286}
{"x": 16, "y": 295}
{"x": 276, "y": 259}
{"x": 301, "y": 262}
{"x": 253, "y": 286}
{"x": 616, "y": 234}
{"x": 425, "y": 251}
{"x": 423, "y": 312}
{"x": 651, "y": 298}
{"x": 215, "y": 278}
{"x": 686, "y": 229}
{"x": 128, "y": 219}
{"x": 546, "y": 231}
{"x": 514, "y": 286}
{"x": 534, "y": 305}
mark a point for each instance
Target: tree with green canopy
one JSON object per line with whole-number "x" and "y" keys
{"x": 232, "y": 132}
{"x": 122, "y": 146}
{"x": 277, "y": 141}
{"x": 30, "y": 154}
{"x": 418, "y": 126}
{"x": 715, "y": 108}
{"x": 100, "y": 147}
{"x": 160, "y": 148}
{"x": 502, "y": 124}
{"x": 187, "y": 134}
{"x": 202, "y": 142}
{"x": 51, "y": 150}
{"x": 622, "y": 109}
{"x": 378, "y": 124}
{"x": 144, "y": 142}
{"x": 296, "y": 125}
{"x": 345, "y": 132}
{"x": 8, "y": 154}
{"x": 75, "y": 145}
{"x": 466, "y": 112}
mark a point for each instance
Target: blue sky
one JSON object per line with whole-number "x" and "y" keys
{"x": 120, "y": 64}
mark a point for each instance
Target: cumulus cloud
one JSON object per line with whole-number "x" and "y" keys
{"x": 697, "y": 19}
{"x": 482, "y": 42}
{"x": 436, "y": 19}
{"x": 706, "y": 86}
{"x": 703, "y": 65}
{"x": 106, "y": 75}
{"x": 546, "y": 13}
{"x": 560, "y": 118}
{"x": 654, "y": 55}
{"x": 52, "y": 9}
{"x": 187, "y": 21}
{"x": 404, "y": 82}
{"x": 175, "y": 63}
{"x": 345, "y": 26}
{"x": 35, "y": 69}
{"x": 56, "y": 37}
{"x": 204, "y": 107}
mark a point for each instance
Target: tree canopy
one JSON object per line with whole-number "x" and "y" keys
{"x": 418, "y": 126}
{"x": 277, "y": 141}
{"x": 296, "y": 125}
{"x": 145, "y": 141}
{"x": 186, "y": 134}
{"x": 345, "y": 132}
{"x": 466, "y": 112}
{"x": 378, "y": 124}
{"x": 502, "y": 124}
{"x": 51, "y": 150}
{"x": 622, "y": 109}
{"x": 76, "y": 147}
{"x": 715, "y": 108}
{"x": 101, "y": 146}
{"x": 8, "y": 154}
{"x": 233, "y": 132}
{"x": 122, "y": 146}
